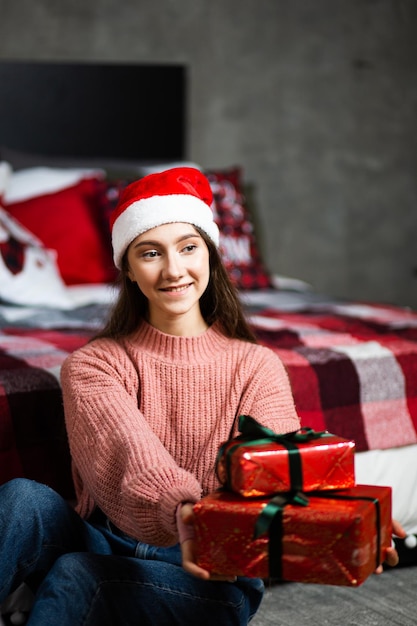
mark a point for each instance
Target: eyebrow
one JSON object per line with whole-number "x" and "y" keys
{"x": 158, "y": 243}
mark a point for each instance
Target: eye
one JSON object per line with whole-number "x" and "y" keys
{"x": 150, "y": 254}
{"x": 190, "y": 248}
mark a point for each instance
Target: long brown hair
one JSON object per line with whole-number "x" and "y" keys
{"x": 219, "y": 303}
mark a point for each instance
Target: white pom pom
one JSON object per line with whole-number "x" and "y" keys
{"x": 410, "y": 541}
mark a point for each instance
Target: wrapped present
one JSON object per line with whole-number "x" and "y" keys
{"x": 260, "y": 462}
{"x": 334, "y": 538}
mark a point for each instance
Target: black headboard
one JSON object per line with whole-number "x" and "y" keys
{"x": 115, "y": 111}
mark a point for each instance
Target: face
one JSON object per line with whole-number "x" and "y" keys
{"x": 170, "y": 264}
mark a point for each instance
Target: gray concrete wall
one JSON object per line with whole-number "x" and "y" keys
{"x": 316, "y": 99}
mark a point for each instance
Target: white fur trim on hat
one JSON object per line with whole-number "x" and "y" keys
{"x": 148, "y": 213}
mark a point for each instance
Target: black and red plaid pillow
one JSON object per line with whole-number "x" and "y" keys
{"x": 237, "y": 233}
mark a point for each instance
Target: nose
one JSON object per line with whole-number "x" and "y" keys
{"x": 172, "y": 269}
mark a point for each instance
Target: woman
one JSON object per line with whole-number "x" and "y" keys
{"x": 147, "y": 404}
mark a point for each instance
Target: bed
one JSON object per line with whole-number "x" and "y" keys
{"x": 352, "y": 365}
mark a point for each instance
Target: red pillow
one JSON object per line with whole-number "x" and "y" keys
{"x": 70, "y": 222}
{"x": 237, "y": 234}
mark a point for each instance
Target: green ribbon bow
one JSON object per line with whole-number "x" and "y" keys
{"x": 275, "y": 507}
{"x": 254, "y": 434}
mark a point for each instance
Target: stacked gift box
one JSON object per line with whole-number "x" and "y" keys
{"x": 290, "y": 509}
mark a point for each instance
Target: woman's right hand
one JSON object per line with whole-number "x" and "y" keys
{"x": 185, "y": 517}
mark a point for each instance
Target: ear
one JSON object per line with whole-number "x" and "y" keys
{"x": 130, "y": 276}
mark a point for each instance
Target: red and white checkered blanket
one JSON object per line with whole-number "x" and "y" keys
{"x": 352, "y": 367}
{"x": 32, "y": 432}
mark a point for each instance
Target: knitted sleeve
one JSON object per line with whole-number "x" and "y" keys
{"x": 119, "y": 461}
{"x": 267, "y": 394}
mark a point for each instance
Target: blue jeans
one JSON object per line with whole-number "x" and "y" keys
{"x": 90, "y": 573}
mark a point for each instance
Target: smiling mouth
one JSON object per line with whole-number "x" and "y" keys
{"x": 176, "y": 289}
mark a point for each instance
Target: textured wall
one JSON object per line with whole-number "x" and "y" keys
{"x": 317, "y": 101}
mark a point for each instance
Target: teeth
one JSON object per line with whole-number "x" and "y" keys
{"x": 176, "y": 288}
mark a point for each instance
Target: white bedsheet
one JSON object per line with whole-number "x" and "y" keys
{"x": 395, "y": 468}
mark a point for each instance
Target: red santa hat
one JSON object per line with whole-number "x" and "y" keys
{"x": 180, "y": 194}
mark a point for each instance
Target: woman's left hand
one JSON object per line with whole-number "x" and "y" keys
{"x": 391, "y": 557}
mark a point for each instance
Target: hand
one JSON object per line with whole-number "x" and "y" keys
{"x": 188, "y": 551}
{"x": 391, "y": 557}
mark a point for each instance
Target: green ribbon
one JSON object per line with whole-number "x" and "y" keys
{"x": 254, "y": 434}
{"x": 275, "y": 507}
{"x": 270, "y": 521}
{"x": 250, "y": 428}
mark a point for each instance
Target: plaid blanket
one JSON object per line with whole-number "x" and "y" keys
{"x": 352, "y": 367}
{"x": 33, "y": 441}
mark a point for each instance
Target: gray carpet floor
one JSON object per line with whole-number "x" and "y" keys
{"x": 388, "y": 599}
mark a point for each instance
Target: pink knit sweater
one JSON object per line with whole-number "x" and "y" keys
{"x": 146, "y": 415}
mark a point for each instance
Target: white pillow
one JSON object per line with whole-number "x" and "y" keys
{"x": 29, "y": 274}
{"x": 38, "y": 181}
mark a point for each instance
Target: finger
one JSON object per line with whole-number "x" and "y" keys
{"x": 199, "y": 572}
{"x": 225, "y": 579}
{"x": 397, "y": 529}
{"x": 195, "y": 570}
{"x": 187, "y": 513}
{"x": 391, "y": 557}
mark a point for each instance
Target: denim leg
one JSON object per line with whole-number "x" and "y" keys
{"x": 95, "y": 575}
{"x": 37, "y": 526}
{"x": 95, "y": 590}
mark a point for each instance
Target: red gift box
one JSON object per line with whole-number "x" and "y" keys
{"x": 338, "y": 538}
{"x": 260, "y": 462}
